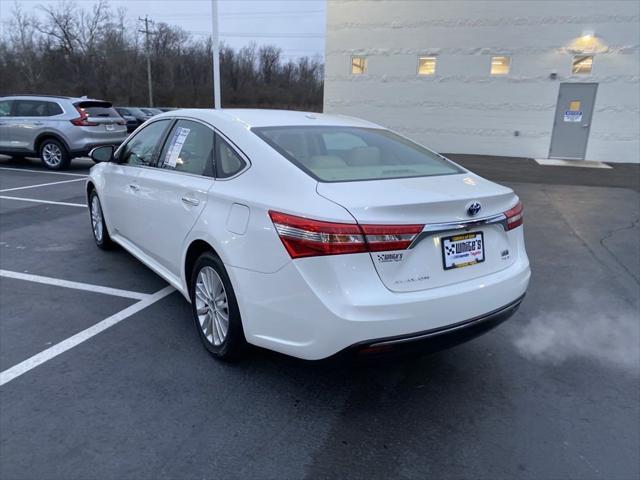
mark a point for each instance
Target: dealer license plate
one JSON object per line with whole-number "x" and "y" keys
{"x": 462, "y": 250}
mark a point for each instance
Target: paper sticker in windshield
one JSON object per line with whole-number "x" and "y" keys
{"x": 175, "y": 147}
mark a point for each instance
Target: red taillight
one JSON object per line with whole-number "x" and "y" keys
{"x": 303, "y": 237}
{"x": 382, "y": 238}
{"x": 514, "y": 216}
{"x": 83, "y": 120}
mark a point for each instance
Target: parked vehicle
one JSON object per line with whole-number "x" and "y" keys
{"x": 166, "y": 109}
{"x": 131, "y": 121}
{"x": 134, "y": 112}
{"x": 57, "y": 129}
{"x": 311, "y": 234}
{"x": 152, "y": 111}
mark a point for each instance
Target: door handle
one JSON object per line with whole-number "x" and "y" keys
{"x": 38, "y": 123}
{"x": 134, "y": 187}
{"x": 191, "y": 201}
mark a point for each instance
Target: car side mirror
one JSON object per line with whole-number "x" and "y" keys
{"x": 102, "y": 154}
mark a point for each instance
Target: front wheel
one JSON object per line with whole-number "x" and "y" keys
{"x": 215, "y": 309}
{"x": 54, "y": 154}
{"x": 98, "y": 225}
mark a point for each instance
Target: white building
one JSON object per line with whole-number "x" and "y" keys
{"x": 540, "y": 79}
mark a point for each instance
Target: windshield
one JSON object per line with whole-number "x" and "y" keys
{"x": 339, "y": 154}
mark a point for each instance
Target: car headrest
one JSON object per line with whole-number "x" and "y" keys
{"x": 363, "y": 156}
{"x": 325, "y": 161}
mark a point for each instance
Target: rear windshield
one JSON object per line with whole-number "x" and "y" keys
{"x": 98, "y": 109}
{"x": 342, "y": 154}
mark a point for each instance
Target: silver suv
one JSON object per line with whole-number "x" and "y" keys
{"x": 57, "y": 129}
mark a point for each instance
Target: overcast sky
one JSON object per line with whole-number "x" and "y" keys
{"x": 296, "y": 26}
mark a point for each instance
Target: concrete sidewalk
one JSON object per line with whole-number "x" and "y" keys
{"x": 514, "y": 169}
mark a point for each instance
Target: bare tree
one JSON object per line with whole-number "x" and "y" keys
{"x": 78, "y": 51}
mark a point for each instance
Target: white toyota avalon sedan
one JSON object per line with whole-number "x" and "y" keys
{"x": 311, "y": 234}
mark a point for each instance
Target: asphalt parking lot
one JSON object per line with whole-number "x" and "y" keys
{"x": 103, "y": 374}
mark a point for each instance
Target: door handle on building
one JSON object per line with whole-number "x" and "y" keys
{"x": 191, "y": 201}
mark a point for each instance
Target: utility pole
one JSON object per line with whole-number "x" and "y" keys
{"x": 148, "y": 51}
{"x": 215, "y": 45}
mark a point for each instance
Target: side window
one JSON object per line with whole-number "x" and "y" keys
{"x": 228, "y": 162}
{"x": 34, "y": 108}
{"x": 5, "y": 108}
{"x": 143, "y": 147}
{"x": 189, "y": 149}
{"x": 53, "y": 109}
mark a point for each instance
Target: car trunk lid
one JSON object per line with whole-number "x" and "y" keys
{"x": 441, "y": 203}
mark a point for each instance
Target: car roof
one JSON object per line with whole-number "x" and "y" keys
{"x": 28, "y": 96}
{"x": 270, "y": 118}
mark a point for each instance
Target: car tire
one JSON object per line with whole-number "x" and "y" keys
{"x": 54, "y": 155}
{"x": 98, "y": 225}
{"x": 212, "y": 301}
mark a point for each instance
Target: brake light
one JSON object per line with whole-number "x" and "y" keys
{"x": 303, "y": 237}
{"x": 514, "y": 216}
{"x": 382, "y": 238}
{"x": 83, "y": 120}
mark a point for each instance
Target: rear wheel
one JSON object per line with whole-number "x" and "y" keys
{"x": 215, "y": 309}
{"x": 54, "y": 154}
{"x": 98, "y": 225}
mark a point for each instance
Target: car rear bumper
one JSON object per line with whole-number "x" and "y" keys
{"x": 438, "y": 338}
{"x": 314, "y": 308}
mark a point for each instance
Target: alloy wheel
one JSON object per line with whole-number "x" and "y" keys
{"x": 96, "y": 218}
{"x": 212, "y": 306}
{"x": 52, "y": 154}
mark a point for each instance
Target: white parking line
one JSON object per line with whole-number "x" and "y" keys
{"x": 36, "y": 200}
{"x": 80, "y": 337}
{"x": 41, "y": 185}
{"x": 75, "y": 285}
{"x": 48, "y": 172}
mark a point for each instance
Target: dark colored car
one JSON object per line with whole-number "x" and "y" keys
{"x": 132, "y": 123}
{"x": 151, "y": 111}
{"x": 138, "y": 114}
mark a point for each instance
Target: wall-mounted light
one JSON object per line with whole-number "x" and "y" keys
{"x": 588, "y": 42}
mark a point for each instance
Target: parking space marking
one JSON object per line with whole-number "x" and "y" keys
{"x": 116, "y": 292}
{"x": 36, "y": 200}
{"x": 41, "y": 185}
{"x": 80, "y": 337}
{"x": 47, "y": 172}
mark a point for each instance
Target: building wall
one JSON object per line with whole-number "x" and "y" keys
{"x": 462, "y": 109}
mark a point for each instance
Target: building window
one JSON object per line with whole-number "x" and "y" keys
{"x": 427, "y": 65}
{"x": 582, "y": 64}
{"x": 358, "y": 65}
{"x": 500, "y": 65}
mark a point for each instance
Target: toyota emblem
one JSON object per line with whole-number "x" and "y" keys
{"x": 474, "y": 208}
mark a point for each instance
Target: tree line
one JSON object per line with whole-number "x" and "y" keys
{"x": 99, "y": 53}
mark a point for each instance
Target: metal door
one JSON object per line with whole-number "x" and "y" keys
{"x": 572, "y": 122}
